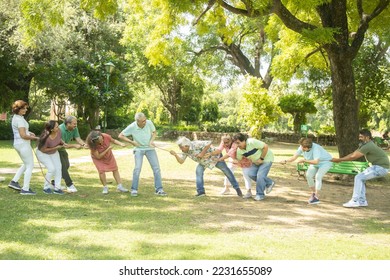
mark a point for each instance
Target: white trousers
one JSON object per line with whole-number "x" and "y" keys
{"x": 26, "y": 154}
{"x": 247, "y": 179}
{"x": 53, "y": 164}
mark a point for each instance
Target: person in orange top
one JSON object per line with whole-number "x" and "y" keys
{"x": 103, "y": 158}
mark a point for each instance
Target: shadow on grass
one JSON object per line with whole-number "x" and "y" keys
{"x": 89, "y": 225}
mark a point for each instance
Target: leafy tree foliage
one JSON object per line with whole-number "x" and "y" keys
{"x": 298, "y": 106}
{"x": 258, "y": 108}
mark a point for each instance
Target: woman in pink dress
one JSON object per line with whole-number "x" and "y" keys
{"x": 103, "y": 158}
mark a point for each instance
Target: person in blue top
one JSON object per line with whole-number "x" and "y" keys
{"x": 319, "y": 161}
{"x": 261, "y": 156}
{"x": 143, "y": 133}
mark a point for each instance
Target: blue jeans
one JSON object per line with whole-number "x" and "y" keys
{"x": 151, "y": 155}
{"x": 221, "y": 165}
{"x": 359, "y": 188}
{"x": 259, "y": 173}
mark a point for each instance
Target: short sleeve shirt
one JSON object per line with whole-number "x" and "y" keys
{"x": 254, "y": 149}
{"x": 68, "y": 135}
{"x": 141, "y": 135}
{"x": 374, "y": 154}
{"x": 316, "y": 152}
{"x": 50, "y": 143}
{"x": 195, "y": 148}
{"x": 17, "y": 122}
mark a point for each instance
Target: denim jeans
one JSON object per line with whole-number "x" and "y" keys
{"x": 221, "y": 165}
{"x": 359, "y": 188}
{"x": 259, "y": 173}
{"x": 151, "y": 155}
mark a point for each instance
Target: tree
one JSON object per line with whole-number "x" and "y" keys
{"x": 298, "y": 106}
{"x": 334, "y": 29}
{"x": 258, "y": 108}
{"x": 328, "y": 23}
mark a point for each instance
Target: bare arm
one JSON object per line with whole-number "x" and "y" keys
{"x": 352, "y": 156}
{"x": 178, "y": 158}
{"x": 100, "y": 155}
{"x": 124, "y": 138}
{"x": 25, "y": 136}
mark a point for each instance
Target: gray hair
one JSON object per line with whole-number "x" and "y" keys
{"x": 183, "y": 141}
{"x": 69, "y": 119}
{"x": 139, "y": 115}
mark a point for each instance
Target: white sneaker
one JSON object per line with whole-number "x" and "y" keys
{"x": 351, "y": 204}
{"x": 259, "y": 197}
{"x": 269, "y": 188}
{"x": 225, "y": 191}
{"x": 122, "y": 189}
{"x": 134, "y": 193}
{"x": 248, "y": 194}
{"x": 105, "y": 190}
{"x": 363, "y": 203}
{"x": 71, "y": 189}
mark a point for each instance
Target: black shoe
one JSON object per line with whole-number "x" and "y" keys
{"x": 15, "y": 186}
{"x": 239, "y": 192}
{"x": 200, "y": 194}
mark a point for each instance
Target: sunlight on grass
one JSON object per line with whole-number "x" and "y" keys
{"x": 90, "y": 225}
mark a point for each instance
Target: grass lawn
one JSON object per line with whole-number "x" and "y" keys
{"x": 88, "y": 225}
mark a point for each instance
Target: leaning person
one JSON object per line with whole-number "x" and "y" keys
{"x": 143, "y": 133}
{"x": 379, "y": 167}
{"x": 69, "y": 131}
{"x": 22, "y": 144}
{"x": 197, "y": 150}
{"x": 47, "y": 153}
{"x": 230, "y": 149}
{"x": 319, "y": 161}
{"x": 262, "y": 157}
{"x": 103, "y": 158}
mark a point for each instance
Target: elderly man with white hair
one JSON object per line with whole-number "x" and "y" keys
{"x": 143, "y": 133}
{"x": 197, "y": 150}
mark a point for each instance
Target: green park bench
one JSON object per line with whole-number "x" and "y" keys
{"x": 344, "y": 167}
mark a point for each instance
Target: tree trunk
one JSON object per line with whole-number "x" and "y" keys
{"x": 345, "y": 104}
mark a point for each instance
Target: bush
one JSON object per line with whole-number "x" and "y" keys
{"x": 5, "y": 130}
{"x": 217, "y": 127}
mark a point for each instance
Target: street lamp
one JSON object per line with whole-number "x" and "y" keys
{"x": 109, "y": 68}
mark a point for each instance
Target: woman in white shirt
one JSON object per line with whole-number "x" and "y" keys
{"x": 22, "y": 144}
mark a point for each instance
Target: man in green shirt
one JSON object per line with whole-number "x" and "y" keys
{"x": 69, "y": 131}
{"x": 379, "y": 167}
{"x": 262, "y": 157}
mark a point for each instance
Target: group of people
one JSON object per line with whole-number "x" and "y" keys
{"x": 253, "y": 156}
{"x": 51, "y": 151}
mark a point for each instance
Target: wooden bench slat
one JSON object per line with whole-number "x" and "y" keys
{"x": 344, "y": 167}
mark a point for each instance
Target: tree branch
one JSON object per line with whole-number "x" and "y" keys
{"x": 364, "y": 21}
{"x": 209, "y": 6}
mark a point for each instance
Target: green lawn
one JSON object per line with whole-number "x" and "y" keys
{"x": 89, "y": 225}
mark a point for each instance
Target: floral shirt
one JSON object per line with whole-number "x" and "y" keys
{"x": 195, "y": 148}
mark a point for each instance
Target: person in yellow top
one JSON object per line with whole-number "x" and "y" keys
{"x": 262, "y": 157}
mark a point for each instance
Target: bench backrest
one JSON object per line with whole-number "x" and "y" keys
{"x": 344, "y": 167}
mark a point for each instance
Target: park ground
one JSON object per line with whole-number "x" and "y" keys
{"x": 89, "y": 225}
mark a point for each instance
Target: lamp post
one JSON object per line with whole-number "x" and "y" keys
{"x": 109, "y": 68}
